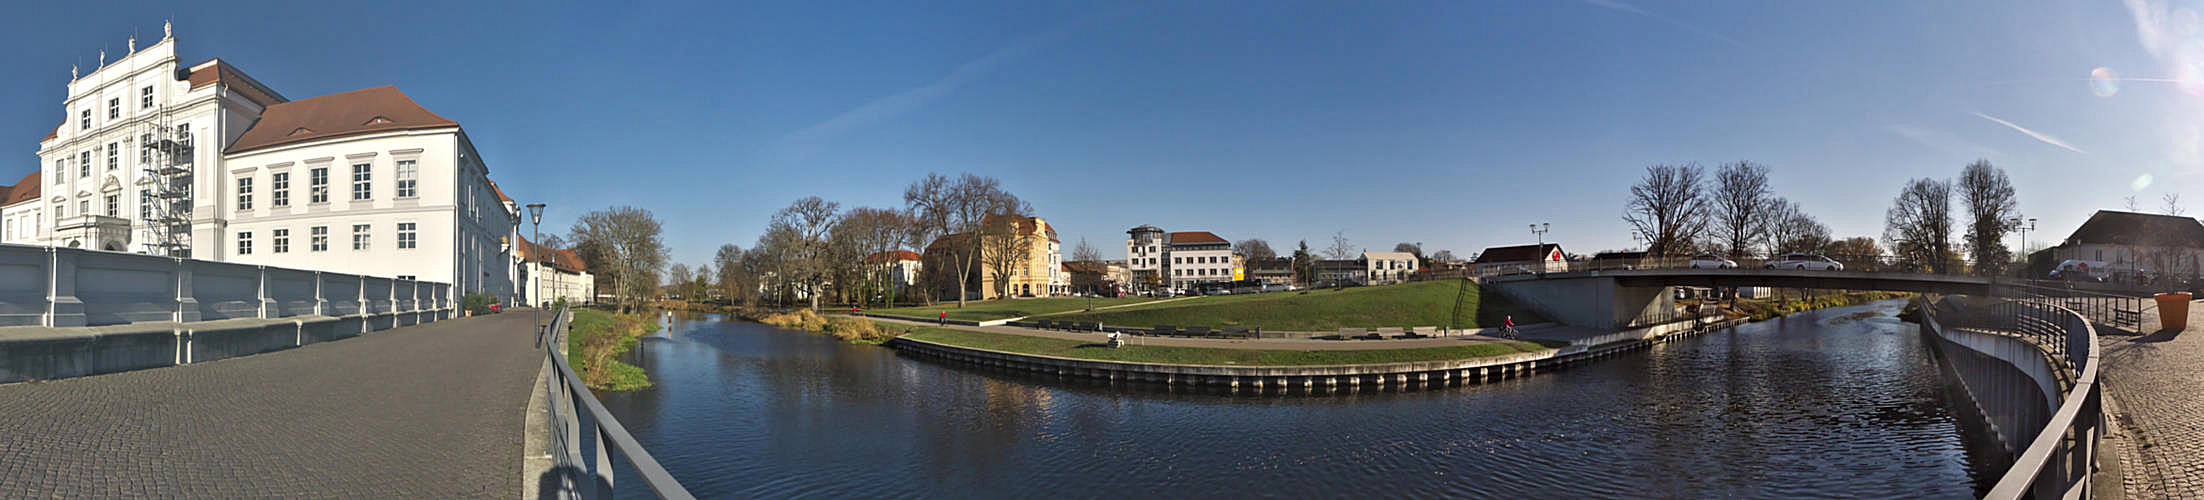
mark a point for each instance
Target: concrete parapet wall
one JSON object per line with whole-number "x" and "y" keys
{"x": 45, "y": 353}
{"x": 2010, "y": 381}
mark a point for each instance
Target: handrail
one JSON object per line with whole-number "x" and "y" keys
{"x": 2057, "y": 463}
{"x": 607, "y": 428}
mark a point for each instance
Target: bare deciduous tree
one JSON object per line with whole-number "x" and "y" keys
{"x": 1415, "y": 249}
{"x": 1991, "y": 212}
{"x": 1088, "y": 277}
{"x": 733, "y": 280}
{"x": 1006, "y": 247}
{"x": 1669, "y": 207}
{"x": 1741, "y": 205}
{"x": 944, "y": 207}
{"x": 1341, "y": 249}
{"x": 624, "y": 243}
{"x": 678, "y": 275}
{"x": 1792, "y": 230}
{"x": 1918, "y": 226}
{"x": 808, "y": 259}
{"x": 2172, "y": 204}
{"x": 865, "y": 232}
{"x": 1254, "y": 250}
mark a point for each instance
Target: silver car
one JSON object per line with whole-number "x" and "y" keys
{"x": 1711, "y": 261}
{"x": 1804, "y": 262}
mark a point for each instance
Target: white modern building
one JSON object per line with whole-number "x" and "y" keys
{"x": 902, "y": 266}
{"x": 1385, "y": 268}
{"x": 1180, "y": 260}
{"x": 205, "y": 162}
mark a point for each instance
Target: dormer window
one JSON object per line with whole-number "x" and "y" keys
{"x": 301, "y": 131}
{"x": 378, "y": 121}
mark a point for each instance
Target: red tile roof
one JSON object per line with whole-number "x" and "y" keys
{"x": 1195, "y": 237}
{"x": 357, "y": 112}
{"x": 565, "y": 260}
{"x": 1025, "y": 225}
{"x": 897, "y": 255}
{"x": 1518, "y": 253}
{"x": 222, "y": 73}
{"x": 500, "y": 193}
{"x": 23, "y": 190}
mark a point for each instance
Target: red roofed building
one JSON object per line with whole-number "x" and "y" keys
{"x": 22, "y": 218}
{"x": 901, "y": 266}
{"x": 551, "y": 274}
{"x": 1181, "y": 261}
{"x": 206, "y": 162}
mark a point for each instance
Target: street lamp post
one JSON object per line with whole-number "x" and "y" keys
{"x": 1540, "y": 229}
{"x": 535, "y": 293}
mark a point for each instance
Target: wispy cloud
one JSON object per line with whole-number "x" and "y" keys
{"x": 2046, "y": 138}
{"x": 809, "y": 140}
{"x": 1618, "y": 5}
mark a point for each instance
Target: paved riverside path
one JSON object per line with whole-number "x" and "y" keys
{"x": 2155, "y": 382}
{"x": 1285, "y": 344}
{"x": 429, "y": 411}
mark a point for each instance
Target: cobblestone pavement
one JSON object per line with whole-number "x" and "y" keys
{"x": 2156, "y": 383}
{"x": 431, "y": 411}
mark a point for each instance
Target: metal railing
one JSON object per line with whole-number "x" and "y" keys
{"x": 2058, "y": 461}
{"x": 568, "y": 398}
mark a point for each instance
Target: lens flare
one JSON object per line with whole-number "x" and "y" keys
{"x": 2184, "y": 22}
{"x": 2141, "y": 182}
{"x": 2103, "y": 82}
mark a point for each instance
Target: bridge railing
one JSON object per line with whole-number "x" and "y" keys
{"x": 574, "y": 413}
{"x": 2059, "y": 459}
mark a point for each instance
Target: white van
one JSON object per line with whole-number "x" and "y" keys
{"x": 2085, "y": 270}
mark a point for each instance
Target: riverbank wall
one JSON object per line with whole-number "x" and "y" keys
{"x": 1383, "y": 375}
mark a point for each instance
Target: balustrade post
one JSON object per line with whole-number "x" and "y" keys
{"x": 268, "y": 307}
{"x": 62, "y": 306}
{"x": 187, "y": 307}
{"x": 321, "y": 298}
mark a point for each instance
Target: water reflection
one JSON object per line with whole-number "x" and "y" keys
{"x": 1820, "y": 404}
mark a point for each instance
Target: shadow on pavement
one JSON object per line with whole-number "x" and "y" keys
{"x": 2159, "y": 336}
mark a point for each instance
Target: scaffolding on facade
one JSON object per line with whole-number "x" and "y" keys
{"x": 168, "y": 192}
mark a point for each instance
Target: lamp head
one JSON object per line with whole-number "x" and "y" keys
{"x": 535, "y": 213}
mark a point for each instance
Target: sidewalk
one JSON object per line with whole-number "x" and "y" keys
{"x": 2156, "y": 392}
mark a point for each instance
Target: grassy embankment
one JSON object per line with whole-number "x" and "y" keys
{"x": 1067, "y": 348}
{"x": 594, "y": 346}
{"x": 1767, "y": 308}
{"x": 848, "y": 329}
{"x": 1404, "y": 305}
{"x": 1008, "y": 308}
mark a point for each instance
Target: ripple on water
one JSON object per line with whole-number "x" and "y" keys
{"x": 1825, "y": 404}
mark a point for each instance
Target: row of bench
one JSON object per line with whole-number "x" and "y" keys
{"x": 1421, "y": 332}
{"x": 1160, "y": 330}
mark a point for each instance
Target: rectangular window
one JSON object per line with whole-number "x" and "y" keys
{"x": 405, "y": 235}
{"x": 114, "y": 156}
{"x": 359, "y": 236}
{"x": 282, "y": 241}
{"x": 114, "y": 205}
{"x": 145, "y": 150}
{"x": 61, "y": 171}
{"x": 145, "y": 205}
{"x": 244, "y": 242}
{"x": 84, "y": 119}
{"x": 407, "y": 277}
{"x": 145, "y": 98}
{"x": 114, "y": 108}
{"x": 84, "y": 164}
{"x": 279, "y": 185}
{"x": 318, "y": 185}
{"x": 244, "y": 193}
{"x": 362, "y": 188}
{"x": 318, "y": 238}
{"x": 84, "y": 206}
{"x": 408, "y": 174}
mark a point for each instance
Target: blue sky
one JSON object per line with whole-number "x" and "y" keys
{"x": 1453, "y": 124}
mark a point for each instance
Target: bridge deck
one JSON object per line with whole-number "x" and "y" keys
{"x": 430, "y": 411}
{"x": 1783, "y": 278}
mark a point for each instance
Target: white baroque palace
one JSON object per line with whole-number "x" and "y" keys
{"x": 202, "y": 161}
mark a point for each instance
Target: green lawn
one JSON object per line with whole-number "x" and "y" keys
{"x": 1066, "y": 348}
{"x": 1403, "y": 305}
{"x": 1007, "y": 308}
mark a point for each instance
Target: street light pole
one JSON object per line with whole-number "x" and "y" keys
{"x": 535, "y": 292}
{"x": 1540, "y": 229}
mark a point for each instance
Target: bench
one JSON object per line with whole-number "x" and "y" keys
{"x": 1090, "y": 326}
{"x": 1234, "y": 331}
{"x": 1197, "y": 331}
{"x": 2127, "y": 317}
{"x": 1352, "y": 333}
{"x": 1163, "y": 330}
{"x": 1423, "y": 331}
{"x": 1385, "y": 332}
{"x": 1044, "y": 325}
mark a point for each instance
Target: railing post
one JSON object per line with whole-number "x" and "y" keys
{"x": 187, "y": 308}
{"x": 62, "y": 306}
{"x": 267, "y": 304}
{"x": 321, "y": 299}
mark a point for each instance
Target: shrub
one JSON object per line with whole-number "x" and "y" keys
{"x": 476, "y": 303}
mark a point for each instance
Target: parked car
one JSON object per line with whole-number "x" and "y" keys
{"x": 1711, "y": 261}
{"x": 1804, "y": 262}
{"x": 2082, "y": 270}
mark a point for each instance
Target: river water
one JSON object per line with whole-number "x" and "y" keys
{"x": 1843, "y": 402}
